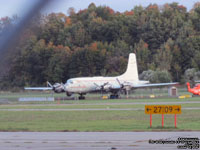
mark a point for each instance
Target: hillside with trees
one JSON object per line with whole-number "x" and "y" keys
{"x": 97, "y": 41}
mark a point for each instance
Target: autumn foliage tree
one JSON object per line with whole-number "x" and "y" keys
{"x": 98, "y": 40}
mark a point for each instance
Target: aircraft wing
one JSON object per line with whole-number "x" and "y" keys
{"x": 155, "y": 85}
{"x": 38, "y": 88}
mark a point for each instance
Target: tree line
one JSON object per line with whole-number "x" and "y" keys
{"x": 97, "y": 41}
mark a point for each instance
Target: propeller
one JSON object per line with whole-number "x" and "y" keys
{"x": 49, "y": 84}
{"x": 120, "y": 84}
{"x": 124, "y": 86}
{"x": 57, "y": 87}
{"x": 101, "y": 87}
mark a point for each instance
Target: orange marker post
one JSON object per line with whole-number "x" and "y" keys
{"x": 58, "y": 102}
{"x": 175, "y": 120}
{"x": 150, "y": 120}
{"x": 162, "y": 120}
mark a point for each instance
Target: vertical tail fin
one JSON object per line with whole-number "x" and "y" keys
{"x": 131, "y": 71}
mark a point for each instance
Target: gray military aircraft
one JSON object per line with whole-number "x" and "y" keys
{"x": 82, "y": 85}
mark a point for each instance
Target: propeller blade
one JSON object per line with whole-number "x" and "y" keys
{"x": 118, "y": 81}
{"x": 121, "y": 85}
{"x": 101, "y": 87}
{"x": 49, "y": 84}
{"x": 97, "y": 85}
{"x": 105, "y": 84}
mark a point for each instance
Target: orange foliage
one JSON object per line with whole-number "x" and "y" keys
{"x": 67, "y": 49}
{"x": 82, "y": 11}
{"x": 146, "y": 45}
{"x": 182, "y": 7}
{"x": 129, "y": 13}
{"x": 60, "y": 46}
{"x": 93, "y": 46}
{"x": 67, "y": 21}
{"x": 110, "y": 10}
{"x": 166, "y": 6}
{"x": 152, "y": 7}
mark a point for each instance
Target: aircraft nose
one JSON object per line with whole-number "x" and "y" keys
{"x": 66, "y": 88}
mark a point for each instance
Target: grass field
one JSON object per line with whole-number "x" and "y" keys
{"x": 89, "y": 106}
{"x": 103, "y": 120}
{"x": 93, "y": 120}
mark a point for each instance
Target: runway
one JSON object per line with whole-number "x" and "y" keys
{"x": 90, "y": 140}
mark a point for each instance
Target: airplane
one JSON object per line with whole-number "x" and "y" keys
{"x": 82, "y": 85}
{"x": 195, "y": 90}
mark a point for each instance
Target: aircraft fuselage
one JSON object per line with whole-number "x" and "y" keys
{"x": 91, "y": 84}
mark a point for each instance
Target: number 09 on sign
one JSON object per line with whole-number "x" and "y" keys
{"x": 162, "y": 109}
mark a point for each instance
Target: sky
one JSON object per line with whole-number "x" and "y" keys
{"x": 19, "y": 7}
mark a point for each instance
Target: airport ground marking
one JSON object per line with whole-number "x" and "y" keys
{"x": 163, "y": 109}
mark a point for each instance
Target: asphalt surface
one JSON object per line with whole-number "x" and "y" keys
{"x": 91, "y": 140}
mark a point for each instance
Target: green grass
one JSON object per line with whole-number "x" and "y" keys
{"x": 95, "y": 121}
{"x": 104, "y": 120}
{"x": 106, "y": 101}
{"x": 88, "y": 106}
{"x": 166, "y": 99}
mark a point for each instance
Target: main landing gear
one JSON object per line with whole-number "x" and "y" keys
{"x": 114, "y": 96}
{"x": 81, "y": 97}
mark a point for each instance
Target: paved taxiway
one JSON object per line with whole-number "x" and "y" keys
{"x": 89, "y": 140}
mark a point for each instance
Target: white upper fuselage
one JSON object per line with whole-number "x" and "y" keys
{"x": 91, "y": 84}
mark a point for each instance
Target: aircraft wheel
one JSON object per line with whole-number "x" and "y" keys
{"x": 114, "y": 96}
{"x": 81, "y": 97}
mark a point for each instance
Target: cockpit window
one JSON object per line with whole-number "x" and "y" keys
{"x": 69, "y": 82}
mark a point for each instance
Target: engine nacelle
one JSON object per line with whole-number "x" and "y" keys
{"x": 58, "y": 88}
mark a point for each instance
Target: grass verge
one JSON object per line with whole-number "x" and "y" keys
{"x": 189, "y": 120}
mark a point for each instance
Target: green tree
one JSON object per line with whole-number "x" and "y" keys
{"x": 57, "y": 69}
{"x": 143, "y": 56}
{"x": 163, "y": 57}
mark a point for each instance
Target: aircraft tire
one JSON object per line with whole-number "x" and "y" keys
{"x": 113, "y": 96}
{"x": 81, "y": 97}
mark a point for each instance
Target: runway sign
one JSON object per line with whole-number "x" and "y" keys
{"x": 162, "y": 109}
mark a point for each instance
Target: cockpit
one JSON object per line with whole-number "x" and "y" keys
{"x": 69, "y": 82}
